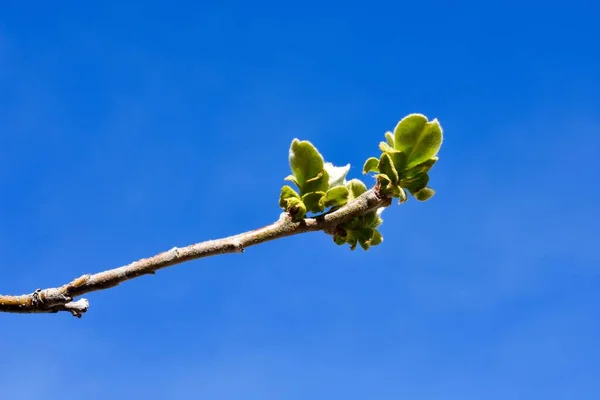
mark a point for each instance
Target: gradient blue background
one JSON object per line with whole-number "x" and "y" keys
{"x": 127, "y": 128}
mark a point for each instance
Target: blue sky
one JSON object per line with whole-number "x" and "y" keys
{"x": 128, "y": 128}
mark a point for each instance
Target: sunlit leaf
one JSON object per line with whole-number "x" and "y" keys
{"x": 286, "y": 193}
{"x": 336, "y": 196}
{"x": 386, "y": 148}
{"x": 296, "y": 209}
{"x": 425, "y": 166}
{"x": 402, "y": 196}
{"x": 305, "y": 161}
{"x": 399, "y": 160}
{"x": 317, "y": 184}
{"x": 386, "y": 167}
{"x": 389, "y": 137}
{"x": 293, "y": 179}
{"x": 407, "y": 131}
{"x": 313, "y": 201}
{"x": 355, "y": 188}
{"x": 416, "y": 183}
{"x": 371, "y": 165}
{"x": 427, "y": 145}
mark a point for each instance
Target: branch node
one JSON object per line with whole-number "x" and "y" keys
{"x": 176, "y": 251}
{"x": 237, "y": 246}
{"x": 36, "y": 298}
{"x": 285, "y": 216}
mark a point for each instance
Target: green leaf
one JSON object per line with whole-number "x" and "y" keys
{"x": 313, "y": 201}
{"x": 364, "y": 236}
{"x": 305, "y": 161}
{"x": 427, "y": 145}
{"x": 377, "y": 238}
{"x": 371, "y": 165}
{"x": 384, "y": 182}
{"x": 398, "y": 157}
{"x": 424, "y": 194}
{"x": 386, "y": 166}
{"x": 385, "y": 148}
{"x": 317, "y": 184}
{"x": 416, "y": 183}
{"x": 399, "y": 160}
{"x": 370, "y": 219}
{"x": 402, "y": 197}
{"x": 352, "y": 241}
{"x": 339, "y": 240}
{"x": 363, "y": 243}
{"x": 337, "y": 175}
{"x": 296, "y": 209}
{"x": 293, "y": 179}
{"x": 336, "y": 196}
{"x": 286, "y": 193}
{"x": 407, "y": 131}
{"x": 389, "y": 137}
{"x": 353, "y": 224}
{"x": 355, "y": 188}
{"x": 419, "y": 169}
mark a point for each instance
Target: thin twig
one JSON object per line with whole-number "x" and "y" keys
{"x": 57, "y": 299}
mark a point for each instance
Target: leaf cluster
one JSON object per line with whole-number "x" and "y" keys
{"x": 406, "y": 157}
{"x": 360, "y": 230}
{"x": 320, "y": 184}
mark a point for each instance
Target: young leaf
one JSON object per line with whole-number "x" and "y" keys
{"x": 384, "y": 182}
{"x": 355, "y": 188}
{"x": 352, "y": 241}
{"x": 313, "y": 202}
{"x": 364, "y": 236}
{"x": 416, "y": 183}
{"x": 377, "y": 238}
{"x": 286, "y": 193}
{"x": 419, "y": 169}
{"x": 389, "y": 137}
{"x": 386, "y": 166}
{"x": 339, "y": 240}
{"x": 424, "y": 194}
{"x": 385, "y": 148}
{"x": 427, "y": 145}
{"x": 337, "y": 175}
{"x": 402, "y": 197}
{"x": 371, "y": 165}
{"x": 336, "y": 196}
{"x": 353, "y": 224}
{"x": 399, "y": 160}
{"x": 293, "y": 179}
{"x": 408, "y": 131}
{"x": 296, "y": 208}
{"x": 317, "y": 184}
{"x": 305, "y": 161}
{"x": 370, "y": 219}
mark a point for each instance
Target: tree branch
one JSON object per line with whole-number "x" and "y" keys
{"x": 53, "y": 300}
